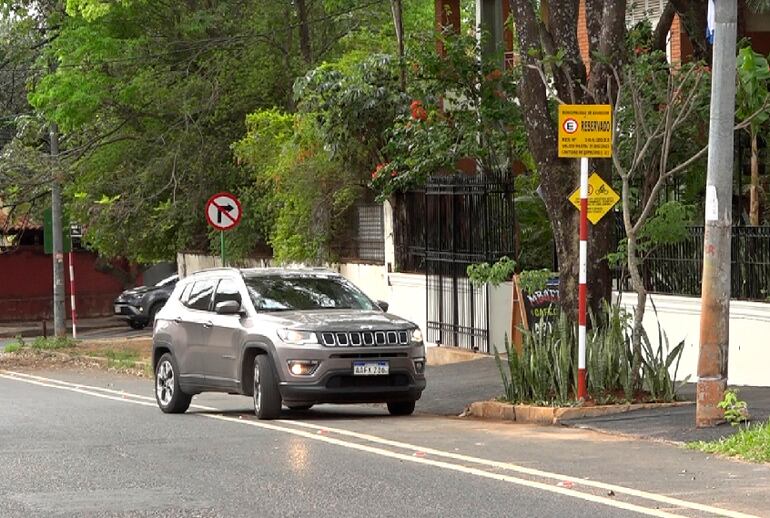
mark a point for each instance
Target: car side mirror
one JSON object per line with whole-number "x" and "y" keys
{"x": 383, "y": 305}
{"x": 228, "y": 307}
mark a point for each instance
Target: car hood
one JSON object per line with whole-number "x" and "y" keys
{"x": 341, "y": 319}
{"x": 141, "y": 290}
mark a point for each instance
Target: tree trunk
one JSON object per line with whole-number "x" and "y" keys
{"x": 660, "y": 34}
{"x": 304, "y": 31}
{"x": 634, "y": 269}
{"x": 692, "y": 13}
{"x": 559, "y": 177}
{"x": 398, "y": 22}
{"x": 754, "y": 188}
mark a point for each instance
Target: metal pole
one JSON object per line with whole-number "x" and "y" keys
{"x": 582, "y": 291}
{"x": 59, "y": 310}
{"x": 73, "y": 311}
{"x": 222, "y": 245}
{"x": 715, "y": 294}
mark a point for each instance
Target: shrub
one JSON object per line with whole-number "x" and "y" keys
{"x": 545, "y": 371}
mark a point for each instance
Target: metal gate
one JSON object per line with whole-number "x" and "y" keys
{"x": 468, "y": 219}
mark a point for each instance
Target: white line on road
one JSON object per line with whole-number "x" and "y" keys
{"x": 127, "y": 397}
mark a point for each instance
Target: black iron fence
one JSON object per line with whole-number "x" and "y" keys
{"x": 464, "y": 220}
{"x": 677, "y": 269}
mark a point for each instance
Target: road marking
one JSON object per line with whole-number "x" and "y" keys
{"x": 676, "y": 502}
{"x": 128, "y": 397}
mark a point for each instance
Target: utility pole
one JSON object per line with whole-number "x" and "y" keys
{"x": 715, "y": 294}
{"x": 57, "y": 241}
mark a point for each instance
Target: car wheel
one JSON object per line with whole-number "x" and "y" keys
{"x": 168, "y": 394}
{"x": 267, "y": 399}
{"x": 153, "y": 311}
{"x": 135, "y": 324}
{"x": 401, "y": 407}
{"x": 300, "y": 408}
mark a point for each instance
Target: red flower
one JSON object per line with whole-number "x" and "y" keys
{"x": 377, "y": 170}
{"x": 418, "y": 112}
{"x": 394, "y": 174}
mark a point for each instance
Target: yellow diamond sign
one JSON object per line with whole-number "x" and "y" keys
{"x": 601, "y": 198}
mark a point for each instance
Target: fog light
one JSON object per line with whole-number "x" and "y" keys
{"x": 302, "y": 367}
{"x": 419, "y": 365}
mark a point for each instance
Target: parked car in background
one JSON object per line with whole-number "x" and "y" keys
{"x": 138, "y": 306}
{"x": 296, "y": 337}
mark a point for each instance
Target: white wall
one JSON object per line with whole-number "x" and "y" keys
{"x": 749, "y": 356}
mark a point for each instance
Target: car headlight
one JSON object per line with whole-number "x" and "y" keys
{"x": 416, "y": 335}
{"x": 292, "y": 336}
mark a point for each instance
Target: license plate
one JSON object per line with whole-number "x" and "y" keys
{"x": 117, "y": 309}
{"x": 371, "y": 368}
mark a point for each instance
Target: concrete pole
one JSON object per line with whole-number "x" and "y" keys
{"x": 715, "y": 295}
{"x": 57, "y": 242}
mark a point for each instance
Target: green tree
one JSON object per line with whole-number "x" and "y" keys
{"x": 752, "y": 102}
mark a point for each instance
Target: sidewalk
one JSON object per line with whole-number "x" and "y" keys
{"x": 451, "y": 388}
{"x": 30, "y": 329}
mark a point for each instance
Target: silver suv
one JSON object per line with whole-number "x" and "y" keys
{"x": 292, "y": 336}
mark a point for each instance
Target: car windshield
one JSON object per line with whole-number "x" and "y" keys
{"x": 168, "y": 280}
{"x": 304, "y": 292}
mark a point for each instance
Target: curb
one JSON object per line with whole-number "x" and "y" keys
{"x": 544, "y": 415}
{"x": 446, "y": 355}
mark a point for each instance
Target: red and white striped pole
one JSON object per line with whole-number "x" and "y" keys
{"x": 582, "y": 289}
{"x": 72, "y": 296}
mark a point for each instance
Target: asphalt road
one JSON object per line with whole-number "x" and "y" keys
{"x": 94, "y": 444}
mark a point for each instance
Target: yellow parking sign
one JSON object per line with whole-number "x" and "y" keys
{"x": 585, "y": 131}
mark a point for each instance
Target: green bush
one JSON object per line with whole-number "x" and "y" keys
{"x": 545, "y": 372}
{"x": 12, "y": 348}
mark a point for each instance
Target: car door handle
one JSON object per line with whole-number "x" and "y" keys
{"x": 178, "y": 320}
{"x": 208, "y": 324}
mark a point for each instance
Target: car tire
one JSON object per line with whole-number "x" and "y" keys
{"x": 136, "y": 324}
{"x": 267, "y": 398}
{"x": 401, "y": 407}
{"x": 153, "y": 311}
{"x": 168, "y": 393}
{"x": 300, "y": 408}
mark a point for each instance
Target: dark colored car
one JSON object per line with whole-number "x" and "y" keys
{"x": 140, "y": 305}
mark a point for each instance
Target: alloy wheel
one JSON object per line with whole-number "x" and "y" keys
{"x": 164, "y": 383}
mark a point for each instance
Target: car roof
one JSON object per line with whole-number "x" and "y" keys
{"x": 265, "y": 272}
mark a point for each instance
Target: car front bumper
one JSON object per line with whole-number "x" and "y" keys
{"x": 341, "y": 386}
{"x": 126, "y": 311}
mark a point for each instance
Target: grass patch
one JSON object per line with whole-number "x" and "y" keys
{"x": 50, "y": 344}
{"x": 12, "y": 348}
{"x": 751, "y": 443}
{"x": 117, "y": 358}
{"x": 41, "y": 344}
{"x": 118, "y": 355}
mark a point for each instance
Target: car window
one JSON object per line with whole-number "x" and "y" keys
{"x": 200, "y": 295}
{"x": 302, "y": 292}
{"x": 227, "y": 289}
{"x": 185, "y": 293}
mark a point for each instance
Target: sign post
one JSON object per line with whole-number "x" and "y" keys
{"x": 223, "y": 212}
{"x": 585, "y": 131}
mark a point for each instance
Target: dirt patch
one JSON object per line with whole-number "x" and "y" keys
{"x": 139, "y": 348}
{"x": 128, "y": 356}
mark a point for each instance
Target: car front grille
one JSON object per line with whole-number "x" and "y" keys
{"x": 364, "y": 338}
